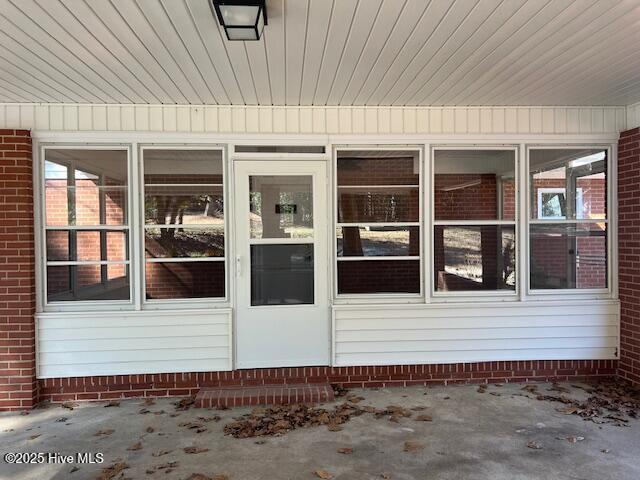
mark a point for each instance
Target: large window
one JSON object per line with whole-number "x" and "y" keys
{"x": 184, "y": 234}
{"x": 378, "y": 221}
{"x": 474, "y": 220}
{"x": 568, "y": 218}
{"x": 86, "y": 224}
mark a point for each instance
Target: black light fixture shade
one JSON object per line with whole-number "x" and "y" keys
{"x": 241, "y": 19}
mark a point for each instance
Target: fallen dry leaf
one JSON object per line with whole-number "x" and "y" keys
{"x": 323, "y": 474}
{"x": 185, "y": 403}
{"x": 33, "y": 437}
{"x": 106, "y": 431}
{"x": 424, "y": 418}
{"x": 69, "y": 405}
{"x": 194, "y": 450}
{"x": 345, "y": 451}
{"x": 150, "y": 430}
{"x": 113, "y": 403}
{"x": 534, "y": 445}
{"x": 418, "y": 408}
{"x": 160, "y": 453}
{"x": 198, "y": 476}
{"x": 530, "y": 388}
{"x": 412, "y": 446}
{"x": 386, "y": 476}
{"x": 135, "y": 446}
{"x": 220, "y": 477}
{"x": 110, "y": 472}
{"x": 482, "y": 388}
{"x": 571, "y": 439}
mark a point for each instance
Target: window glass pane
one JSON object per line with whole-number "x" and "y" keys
{"x": 282, "y": 274}
{"x": 568, "y": 255}
{"x": 468, "y": 258}
{"x": 87, "y": 282}
{"x": 378, "y": 167}
{"x": 174, "y": 280}
{"x": 474, "y": 185}
{"x": 182, "y": 167}
{"x": 378, "y": 241}
{"x": 381, "y": 204}
{"x": 568, "y": 184}
{"x": 83, "y": 245}
{"x": 281, "y": 206}
{"x": 378, "y": 276}
{"x": 187, "y": 205}
{"x": 184, "y": 242}
{"x": 85, "y": 205}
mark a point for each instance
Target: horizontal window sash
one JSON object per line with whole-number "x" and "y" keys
{"x": 64, "y": 263}
{"x": 564, "y": 222}
{"x": 380, "y": 224}
{"x": 378, "y": 186}
{"x": 183, "y": 185}
{"x": 197, "y": 226}
{"x": 184, "y": 259}
{"x": 355, "y": 259}
{"x": 86, "y": 227}
{"x": 471, "y": 223}
{"x": 281, "y": 241}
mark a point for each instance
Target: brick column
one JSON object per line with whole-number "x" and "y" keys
{"x": 629, "y": 253}
{"x": 18, "y": 388}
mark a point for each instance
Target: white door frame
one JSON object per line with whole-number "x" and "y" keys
{"x": 281, "y": 335}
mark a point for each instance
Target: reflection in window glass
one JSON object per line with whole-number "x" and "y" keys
{"x": 176, "y": 280}
{"x": 86, "y": 188}
{"x": 378, "y": 212}
{"x": 281, "y": 206}
{"x": 468, "y": 258}
{"x": 378, "y": 241}
{"x": 568, "y": 184}
{"x": 184, "y": 242}
{"x": 184, "y": 224}
{"x": 474, "y": 185}
{"x": 282, "y": 274}
{"x": 87, "y": 282}
{"x": 572, "y": 255}
{"x": 378, "y": 276}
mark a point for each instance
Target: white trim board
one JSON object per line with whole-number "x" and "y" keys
{"x": 633, "y": 116}
{"x": 318, "y": 120}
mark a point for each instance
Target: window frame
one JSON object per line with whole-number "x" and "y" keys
{"x": 41, "y": 229}
{"x": 171, "y": 303}
{"x": 610, "y": 220}
{"x": 480, "y": 295}
{"x": 387, "y": 298}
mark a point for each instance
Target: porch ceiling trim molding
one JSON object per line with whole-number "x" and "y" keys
{"x": 633, "y": 116}
{"x": 318, "y": 120}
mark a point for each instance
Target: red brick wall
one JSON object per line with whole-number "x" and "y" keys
{"x": 629, "y": 253}
{"x": 167, "y": 384}
{"x": 18, "y": 387}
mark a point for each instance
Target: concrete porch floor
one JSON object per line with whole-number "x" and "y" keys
{"x": 472, "y": 436}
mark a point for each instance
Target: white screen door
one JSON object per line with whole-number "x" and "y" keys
{"x": 282, "y": 311}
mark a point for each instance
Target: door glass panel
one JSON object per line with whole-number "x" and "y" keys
{"x": 281, "y": 274}
{"x": 281, "y": 206}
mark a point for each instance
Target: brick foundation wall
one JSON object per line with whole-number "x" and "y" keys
{"x": 180, "y": 384}
{"x": 18, "y": 386}
{"x": 629, "y": 253}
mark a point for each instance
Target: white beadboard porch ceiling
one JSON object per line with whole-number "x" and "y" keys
{"x": 323, "y": 52}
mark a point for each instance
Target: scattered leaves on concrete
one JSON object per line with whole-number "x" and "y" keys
{"x": 534, "y": 445}
{"x": 214, "y": 418}
{"x": 608, "y": 403}
{"x": 106, "y": 431}
{"x": 195, "y": 450}
{"x": 323, "y": 474}
{"x": 418, "y": 408}
{"x": 339, "y": 391}
{"x": 135, "y": 446}
{"x": 69, "y": 405}
{"x": 530, "y": 388}
{"x": 345, "y": 450}
{"x": 412, "y": 446}
{"x": 112, "y": 471}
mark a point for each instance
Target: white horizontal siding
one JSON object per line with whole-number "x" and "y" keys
{"x": 633, "y": 116}
{"x": 451, "y": 333}
{"x": 74, "y": 344}
{"x": 318, "y": 120}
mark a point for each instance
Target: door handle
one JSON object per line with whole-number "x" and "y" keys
{"x": 238, "y": 265}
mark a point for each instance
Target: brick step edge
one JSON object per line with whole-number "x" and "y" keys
{"x": 264, "y": 395}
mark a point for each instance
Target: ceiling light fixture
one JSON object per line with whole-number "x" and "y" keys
{"x": 241, "y": 20}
